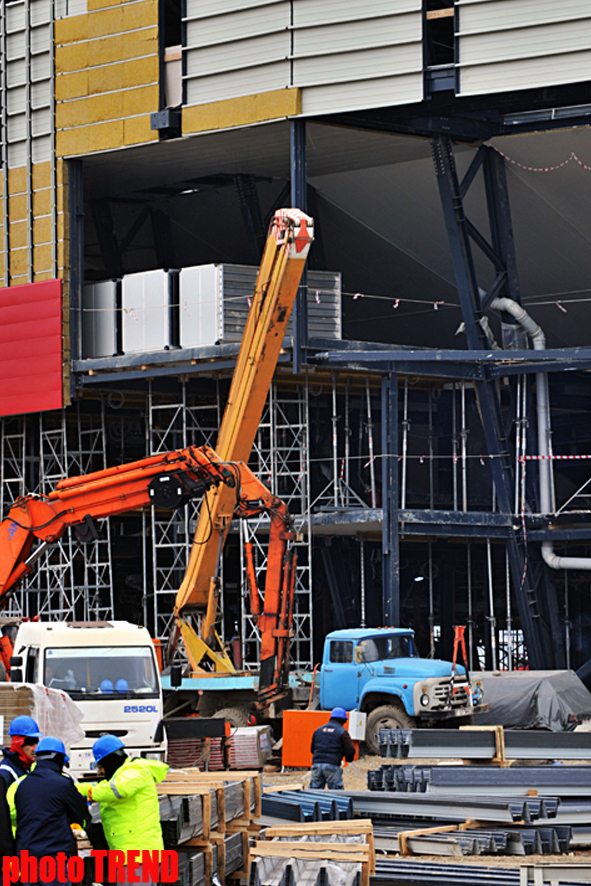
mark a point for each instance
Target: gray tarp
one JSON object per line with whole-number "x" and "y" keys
{"x": 533, "y": 699}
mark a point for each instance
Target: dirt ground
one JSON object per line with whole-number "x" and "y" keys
{"x": 355, "y": 779}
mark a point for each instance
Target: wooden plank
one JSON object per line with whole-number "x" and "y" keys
{"x": 404, "y": 836}
{"x": 258, "y": 795}
{"x": 439, "y": 13}
{"x": 274, "y": 788}
{"x": 181, "y": 789}
{"x": 206, "y": 815}
{"x": 221, "y": 798}
{"x": 350, "y": 826}
{"x": 246, "y": 799}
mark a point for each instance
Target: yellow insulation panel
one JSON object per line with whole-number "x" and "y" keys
{"x": 18, "y": 234}
{"x": 106, "y": 50}
{"x": 107, "y": 77}
{"x": 41, "y": 175}
{"x": 17, "y": 180}
{"x": 17, "y": 207}
{"x": 41, "y": 202}
{"x": 249, "y": 109}
{"x": 112, "y": 106}
{"x": 102, "y": 23}
{"x": 104, "y": 4}
{"x": 42, "y": 257}
{"x": 19, "y": 264}
{"x": 42, "y": 230}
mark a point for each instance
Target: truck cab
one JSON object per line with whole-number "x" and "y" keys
{"x": 109, "y": 670}
{"x": 380, "y": 672}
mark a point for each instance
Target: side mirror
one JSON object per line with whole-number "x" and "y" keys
{"x": 176, "y": 676}
{"x": 16, "y": 661}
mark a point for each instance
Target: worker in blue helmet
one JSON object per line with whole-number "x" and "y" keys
{"x": 330, "y": 743}
{"x": 130, "y": 812}
{"x": 19, "y": 757}
{"x": 44, "y": 805}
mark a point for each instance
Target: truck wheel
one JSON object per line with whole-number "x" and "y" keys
{"x": 385, "y": 717}
{"x": 236, "y": 717}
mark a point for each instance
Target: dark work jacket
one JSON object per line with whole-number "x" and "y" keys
{"x": 11, "y": 766}
{"x": 6, "y": 838}
{"x": 47, "y": 803}
{"x": 330, "y": 743}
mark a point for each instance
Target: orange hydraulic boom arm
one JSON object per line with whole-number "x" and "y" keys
{"x": 166, "y": 480}
{"x": 290, "y": 236}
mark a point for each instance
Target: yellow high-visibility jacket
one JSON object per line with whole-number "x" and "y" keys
{"x": 130, "y": 813}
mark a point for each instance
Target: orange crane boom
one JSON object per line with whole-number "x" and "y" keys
{"x": 290, "y": 235}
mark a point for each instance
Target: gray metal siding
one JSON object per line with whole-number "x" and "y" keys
{"x": 520, "y": 44}
{"x": 235, "y": 48}
{"x": 28, "y": 85}
{"x": 343, "y": 55}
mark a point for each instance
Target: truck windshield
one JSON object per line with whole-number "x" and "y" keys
{"x": 385, "y": 647}
{"x": 96, "y": 673}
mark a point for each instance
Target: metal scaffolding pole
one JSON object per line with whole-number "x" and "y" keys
{"x": 390, "y": 491}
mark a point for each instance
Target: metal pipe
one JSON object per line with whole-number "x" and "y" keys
{"x": 464, "y": 436}
{"x": 362, "y": 579}
{"x": 538, "y": 340}
{"x": 405, "y": 425}
{"x": 491, "y": 605}
{"x": 372, "y": 472}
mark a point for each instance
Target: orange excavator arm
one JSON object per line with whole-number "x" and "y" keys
{"x": 167, "y": 480}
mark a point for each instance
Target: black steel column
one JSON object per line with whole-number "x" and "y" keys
{"x": 390, "y": 550}
{"x": 76, "y": 283}
{"x": 459, "y": 231}
{"x": 299, "y": 200}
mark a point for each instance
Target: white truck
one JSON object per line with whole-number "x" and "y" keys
{"x": 109, "y": 670}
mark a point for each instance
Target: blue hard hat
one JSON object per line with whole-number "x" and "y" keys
{"x": 104, "y": 746}
{"x": 51, "y": 745}
{"x": 122, "y": 686}
{"x": 338, "y": 714}
{"x": 106, "y": 686}
{"x": 24, "y": 725}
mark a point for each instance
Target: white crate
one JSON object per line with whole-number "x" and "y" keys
{"x": 145, "y": 302}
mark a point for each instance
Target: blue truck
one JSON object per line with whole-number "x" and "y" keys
{"x": 379, "y": 671}
{"x": 374, "y": 670}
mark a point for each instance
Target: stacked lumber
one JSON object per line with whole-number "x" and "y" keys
{"x": 336, "y": 852}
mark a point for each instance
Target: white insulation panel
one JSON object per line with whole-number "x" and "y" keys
{"x": 145, "y": 300}
{"x": 506, "y": 45}
{"x": 344, "y": 56}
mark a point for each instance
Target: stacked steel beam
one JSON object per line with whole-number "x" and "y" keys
{"x": 466, "y": 744}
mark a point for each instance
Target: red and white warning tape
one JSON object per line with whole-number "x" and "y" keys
{"x": 573, "y": 158}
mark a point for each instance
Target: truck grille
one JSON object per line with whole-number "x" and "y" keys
{"x": 459, "y": 699}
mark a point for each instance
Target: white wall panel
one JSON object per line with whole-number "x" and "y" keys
{"x": 42, "y": 149}
{"x": 245, "y": 23}
{"x": 520, "y": 44}
{"x": 240, "y": 47}
{"x": 349, "y": 55}
{"x": 247, "y": 81}
{"x": 313, "y": 12}
{"x": 375, "y": 93}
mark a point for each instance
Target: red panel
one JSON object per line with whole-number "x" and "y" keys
{"x": 31, "y": 347}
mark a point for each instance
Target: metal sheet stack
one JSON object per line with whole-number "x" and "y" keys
{"x": 196, "y": 752}
{"x": 250, "y": 747}
{"x": 325, "y": 854}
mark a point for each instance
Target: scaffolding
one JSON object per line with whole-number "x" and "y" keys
{"x": 281, "y": 459}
